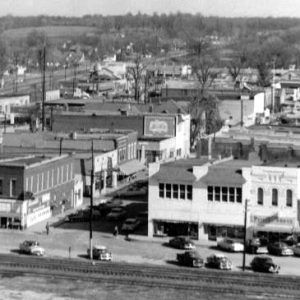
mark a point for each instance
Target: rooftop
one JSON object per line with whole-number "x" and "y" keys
{"x": 29, "y": 161}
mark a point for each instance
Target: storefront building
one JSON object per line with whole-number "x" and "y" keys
{"x": 207, "y": 200}
{"x": 33, "y": 188}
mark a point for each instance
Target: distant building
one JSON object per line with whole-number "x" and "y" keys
{"x": 115, "y": 153}
{"x": 163, "y": 129}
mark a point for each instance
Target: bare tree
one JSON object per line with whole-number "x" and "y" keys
{"x": 204, "y": 70}
{"x": 236, "y": 64}
{"x": 136, "y": 72}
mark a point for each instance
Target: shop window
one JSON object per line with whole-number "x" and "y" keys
{"x": 168, "y": 190}
{"x": 260, "y": 196}
{"x": 239, "y": 195}
{"x": 224, "y": 194}
{"x": 190, "y": 192}
{"x": 210, "y": 193}
{"x": 274, "y": 197}
{"x": 289, "y": 198}
{"x": 175, "y": 191}
{"x": 231, "y": 194}
{"x": 161, "y": 190}
{"x": 217, "y": 193}
{"x": 182, "y": 191}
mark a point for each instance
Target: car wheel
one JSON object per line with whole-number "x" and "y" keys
{"x": 194, "y": 263}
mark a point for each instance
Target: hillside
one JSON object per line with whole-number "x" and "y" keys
{"x": 51, "y": 31}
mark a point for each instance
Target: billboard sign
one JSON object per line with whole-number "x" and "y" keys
{"x": 159, "y": 126}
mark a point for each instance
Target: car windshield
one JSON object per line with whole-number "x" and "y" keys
{"x": 130, "y": 221}
{"x": 117, "y": 209}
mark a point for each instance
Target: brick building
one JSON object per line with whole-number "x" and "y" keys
{"x": 33, "y": 188}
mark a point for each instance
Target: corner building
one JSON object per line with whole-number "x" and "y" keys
{"x": 33, "y": 188}
{"x": 207, "y": 199}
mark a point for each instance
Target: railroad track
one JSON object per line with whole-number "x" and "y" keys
{"x": 238, "y": 283}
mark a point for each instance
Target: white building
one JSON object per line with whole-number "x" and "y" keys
{"x": 207, "y": 199}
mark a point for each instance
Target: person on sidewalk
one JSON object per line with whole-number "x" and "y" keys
{"x": 47, "y": 228}
{"x": 116, "y": 231}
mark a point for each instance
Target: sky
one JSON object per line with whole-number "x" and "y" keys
{"x": 227, "y": 8}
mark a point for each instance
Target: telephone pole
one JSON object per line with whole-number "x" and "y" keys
{"x": 44, "y": 88}
{"x": 91, "y": 203}
{"x": 245, "y": 231}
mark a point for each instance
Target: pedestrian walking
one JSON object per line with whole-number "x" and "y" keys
{"x": 47, "y": 228}
{"x": 116, "y": 231}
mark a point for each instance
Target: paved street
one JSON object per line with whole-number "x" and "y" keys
{"x": 140, "y": 250}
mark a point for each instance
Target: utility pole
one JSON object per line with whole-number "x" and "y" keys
{"x": 44, "y": 88}
{"x": 60, "y": 145}
{"x": 245, "y": 231}
{"x": 91, "y": 204}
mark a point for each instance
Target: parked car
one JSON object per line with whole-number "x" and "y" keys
{"x": 230, "y": 245}
{"x": 101, "y": 253}
{"x": 219, "y": 261}
{"x": 117, "y": 213}
{"x": 257, "y": 246}
{"x": 131, "y": 224}
{"x": 82, "y": 215}
{"x": 182, "y": 242}
{"x": 32, "y": 248}
{"x": 190, "y": 259}
{"x": 264, "y": 264}
{"x": 105, "y": 208}
{"x": 290, "y": 240}
{"x": 296, "y": 250}
{"x": 280, "y": 248}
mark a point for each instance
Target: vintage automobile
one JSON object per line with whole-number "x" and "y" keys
{"x": 257, "y": 246}
{"x": 131, "y": 224}
{"x": 117, "y": 213}
{"x": 182, "y": 242}
{"x": 106, "y": 207}
{"x": 190, "y": 259}
{"x": 218, "y": 261}
{"x": 264, "y": 264}
{"x": 280, "y": 248}
{"x": 101, "y": 253}
{"x": 83, "y": 215}
{"x": 296, "y": 250}
{"x": 230, "y": 245}
{"x": 32, "y": 248}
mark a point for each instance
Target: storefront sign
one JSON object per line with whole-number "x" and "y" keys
{"x": 159, "y": 126}
{"x": 273, "y": 219}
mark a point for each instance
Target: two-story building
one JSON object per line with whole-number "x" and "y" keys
{"x": 207, "y": 198}
{"x": 33, "y": 188}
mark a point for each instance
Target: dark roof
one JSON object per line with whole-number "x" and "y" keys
{"x": 223, "y": 176}
{"x": 173, "y": 173}
{"x": 179, "y": 170}
{"x": 24, "y": 161}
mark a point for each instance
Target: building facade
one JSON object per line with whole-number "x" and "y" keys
{"x": 207, "y": 199}
{"x": 33, "y": 188}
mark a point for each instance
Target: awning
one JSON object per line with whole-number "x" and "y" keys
{"x": 281, "y": 229}
{"x": 223, "y": 225}
{"x": 131, "y": 167}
